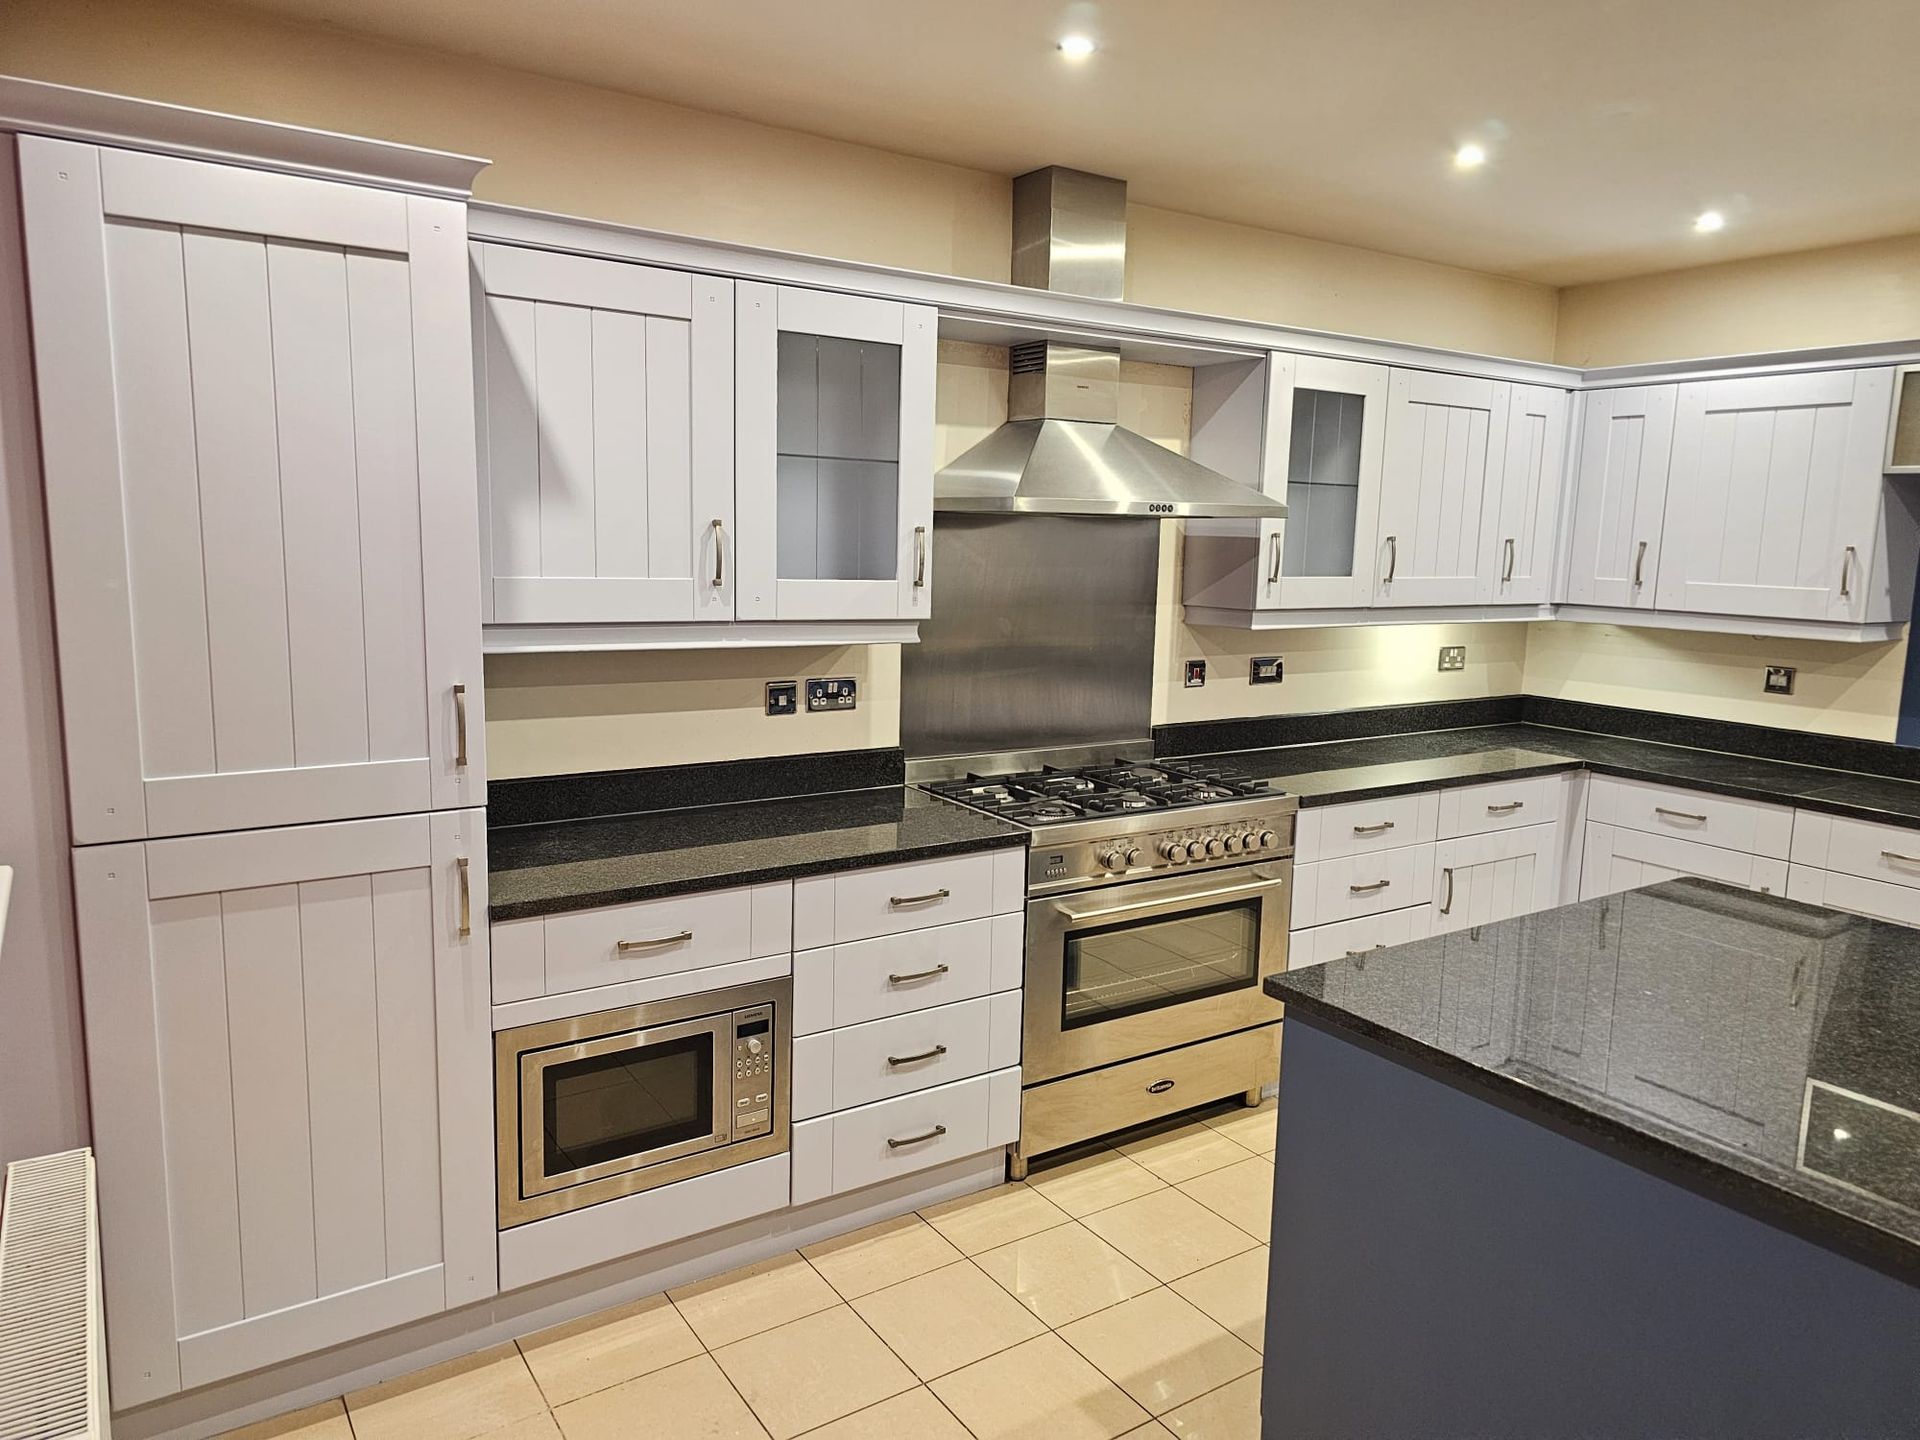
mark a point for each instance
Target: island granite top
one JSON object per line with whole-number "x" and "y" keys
{"x": 1762, "y": 1050}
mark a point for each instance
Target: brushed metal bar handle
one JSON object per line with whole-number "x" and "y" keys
{"x": 1903, "y": 859}
{"x": 719, "y": 554}
{"x": 1372, "y": 889}
{"x": 1506, "y": 809}
{"x": 460, "y": 726}
{"x": 629, "y": 947}
{"x": 918, "y": 975}
{"x": 1506, "y": 575}
{"x": 919, "y": 557}
{"x": 1362, "y": 954}
{"x": 1680, "y": 815}
{"x": 923, "y": 1055}
{"x": 897, "y": 901}
{"x": 1639, "y": 560}
{"x": 465, "y": 868}
{"x": 1447, "y": 908}
{"x": 1794, "y": 992}
{"x": 1380, "y": 829}
{"x": 1393, "y": 557}
{"x": 1273, "y": 559}
{"x": 920, "y": 1139}
{"x": 1846, "y": 571}
{"x": 1181, "y": 902}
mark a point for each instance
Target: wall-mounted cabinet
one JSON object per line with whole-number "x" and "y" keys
{"x": 1445, "y": 447}
{"x": 1620, "y": 495}
{"x": 1521, "y": 515}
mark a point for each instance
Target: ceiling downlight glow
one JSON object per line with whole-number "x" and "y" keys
{"x": 1076, "y": 47}
{"x": 1470, "y": 156}
{"x": 1708, "y": 222}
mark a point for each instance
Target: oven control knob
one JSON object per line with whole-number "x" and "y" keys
{"x": 1131, "y": 858}
{"x": 755, "y": 1046}
{"x": 1216, "y": 847}
{"x": 1268, "y": 839}
{"x": 1174, "y": 851}
{"x": 1114, "y": 860}
{"x": 1250, "y": 841}
{"x": 1232, "y": 842}
{"x": 1196, "y": 849}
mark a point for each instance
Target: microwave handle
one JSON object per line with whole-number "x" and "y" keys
{"x": 1180, "y": 902}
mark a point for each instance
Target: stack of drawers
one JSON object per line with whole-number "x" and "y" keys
{"x": 1639, "y": 832}
{"x": 1857, "y": 865}
{"x": 906, "y": 1017}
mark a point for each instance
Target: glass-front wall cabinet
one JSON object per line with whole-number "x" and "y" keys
{"x": 1334, "y": 414}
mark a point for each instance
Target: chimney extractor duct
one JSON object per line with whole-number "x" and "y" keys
{"x": 1062, "y": 450}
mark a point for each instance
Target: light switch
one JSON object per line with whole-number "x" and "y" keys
{"x": 783, "y": 697}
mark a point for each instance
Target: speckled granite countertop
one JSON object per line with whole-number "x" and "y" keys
{"x": 1765, "y": 1051}
{"x": 577, "y": 864}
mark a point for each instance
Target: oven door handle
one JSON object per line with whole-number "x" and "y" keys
{"x": 1185, "y": 901}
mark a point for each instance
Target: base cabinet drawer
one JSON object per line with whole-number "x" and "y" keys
{"x": 1352, "y": 938}
{"x": 1722, "y": 820}
{"x": 1500, "y": 805}
{"x": 841, "y": 1069}
{"x": 892, "y": 974}
{"x": 1361, "y": 827}
{"x": 856, "y": 1148}
{"x": 1887, "y": 853}
{"x": 1333, "y": 890}
{"x": 1838, "y": 891}
{"x": 1615, "y": 859}
{"x": 888, "y": 899}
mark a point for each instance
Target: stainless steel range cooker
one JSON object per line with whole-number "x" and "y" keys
{"x": 1158, "y": 895}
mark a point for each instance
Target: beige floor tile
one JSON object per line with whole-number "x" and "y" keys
{"x": 1168, "y": 1233}
{"x": 1176, "y": 1155}
{"x": 993, "y": 1217}
{"x": 1251, "y": 1128}
{"x": 1160, "y": 1350}
{"x": 454, "y": 1401}
{"x": 1064, "y": 1273}
{"x": 912, "y": 1415}
{"x": 1094, "y": 1182}
{"x": 325, "y": 1421}
{"x": 1242, "y": 1193}
{"x": 689, "y": 1401}
{"x": 1234, "y": 1293}
{"x": 1230, "y": 1413}
{"x": 534, "y": 1427}
{"x": 880, "y": 1255}
{"x": 1152, "y": 1430}
{"x": 602, "y": 1350}
{"x": 1042, "y": 1390}
{"x": 753, "y": 1298}
{"x": 811, "y": 1371}
{"x": 947, "y": 1318}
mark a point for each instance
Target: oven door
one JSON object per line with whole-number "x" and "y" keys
{"x": 1144, "y": 966}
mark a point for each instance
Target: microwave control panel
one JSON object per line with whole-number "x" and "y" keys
{"x": 753, "y": 1068}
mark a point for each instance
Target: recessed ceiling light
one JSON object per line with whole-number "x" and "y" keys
{"x": 1708, "y": 221}
{"x": 1470, "y": 156}
{"x": 1076, "y": 47}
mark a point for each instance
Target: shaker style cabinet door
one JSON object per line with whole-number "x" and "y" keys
{"x": 606, "y": 391}
{"x": 833, "y": 413}
{"x": 288, "y": 1044}
{"x": 1620, "y": 496}
{"x": 256, "y": 416}
{"x": 1774, "y": 507}
{"x": 1445, "y": 438}
{"x": 1523, "y": 508}
{"x": 1328, "y": 418}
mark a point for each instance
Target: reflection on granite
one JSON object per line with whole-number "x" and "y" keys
{"x": 577, "y": 864}
{"x": 1770, "y": 1048}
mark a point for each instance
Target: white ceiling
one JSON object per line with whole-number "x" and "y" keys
{"x": 1611, "y": 122}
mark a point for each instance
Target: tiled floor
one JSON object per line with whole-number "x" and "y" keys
{"x": 1120, "y": 1295}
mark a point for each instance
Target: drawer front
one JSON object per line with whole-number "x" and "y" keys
{"x": 1333, "y": 890}
{"x": 1346, "y": 938}
{"x": 1500, "y": 805}
{"x": 1888, "y": 853}
{"x": 1362, "y": 827}
{"x": 870, "y": 979}
{"x": 1722, "y": 820}
{"x": 1615, "y": 859}
{"x": 842, "y": 1069}
{"x": 850, "y": 1150}
{"x": 892, "y": 899}
{"x": 663, "y": 937}
{"x": 1836, "y": 890}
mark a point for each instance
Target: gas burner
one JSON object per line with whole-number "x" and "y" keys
{"x": 1042, "y": 812}
{"x": 1051, "y": 783}
{"x": 981, "y": 795}
{"x": 1117, "y": 802}
{"x": 1057, "y": 795}
{"x": 1126, "y": 777}
{"x": 1193, "y": 793}
{"x": 1234, "y": 782}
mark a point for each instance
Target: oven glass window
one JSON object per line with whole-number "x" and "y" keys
{"x": 627, "y": 1102}
{"x": 1145, "y": 964}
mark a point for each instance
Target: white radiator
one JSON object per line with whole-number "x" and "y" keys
{"x": 53, "y": 1353}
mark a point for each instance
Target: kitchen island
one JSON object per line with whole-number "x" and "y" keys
{"x": 1645, "y": 1165}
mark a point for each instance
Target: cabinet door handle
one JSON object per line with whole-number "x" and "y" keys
{"x": 1506, "y": 809}
{"x": 1680, "y": 815}
{"x": 918, "y": 975}
{"x": 936, "y": 1051}
{"x": 1393, "y": 558}
{"x": 1447, "y": 907}
{"x": 719, "y": 554}
{"x": 1362, "y": 954}
{"x": 632, "y": 947}
{"x": 460, "y": 726}
{"x": 1380, "y": 829}
{"x": 1375, "y": 888}
{"x": 1639, "y": 560}
{"x": 1273, "y": 559}
{"x": 919, "y": 557}
{"x": 1793, "y": 986}
{"x": 464, "y": 867}
{"x": 1506, "y": 575}
{"x": 1847, "y": 557}
{"x": 920, "y": 1139}
{"x": 899, "y": 901}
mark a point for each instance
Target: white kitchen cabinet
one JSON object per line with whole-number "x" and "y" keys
{"x": 257, "y": 427}
{"x": 1774, "y": 506}
{"x": 1329, "y": 420}
{"x": 1620, "y": 496}
{"x": 1478, "y": 879}
{"x": 288, "y": 1045}
{"x": 1522, "y": 507}
{"x": 1616, "y": 858}
{"x": 607, "y": 454}
{"x": 1445, "y": 437}
{"x": 833, "y": 416}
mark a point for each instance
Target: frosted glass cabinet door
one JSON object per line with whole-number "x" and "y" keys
{"x": 1445, "y": 438}
{"x": 1620, "y": 496}
{"x": 256, "y": 409}
{"x": 1523, "y": 508}
{"x": 1328, "y": 419}
{"x": 607, "y": 465}
{"x": 834, "y": 455}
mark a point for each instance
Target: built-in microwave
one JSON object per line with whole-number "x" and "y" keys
{"x": 597, "y": 1106}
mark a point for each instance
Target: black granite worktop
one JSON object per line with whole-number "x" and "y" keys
{"x": 544, "y": 869}
{"x": 1758, "y": 1049}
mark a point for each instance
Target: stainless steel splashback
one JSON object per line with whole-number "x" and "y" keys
{"x": 1041, "y": 635}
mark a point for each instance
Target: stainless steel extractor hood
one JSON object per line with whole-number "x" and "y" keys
{"x": 1062, "y": 450}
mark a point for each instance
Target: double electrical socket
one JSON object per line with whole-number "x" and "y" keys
{"x": 840, "y": 693}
